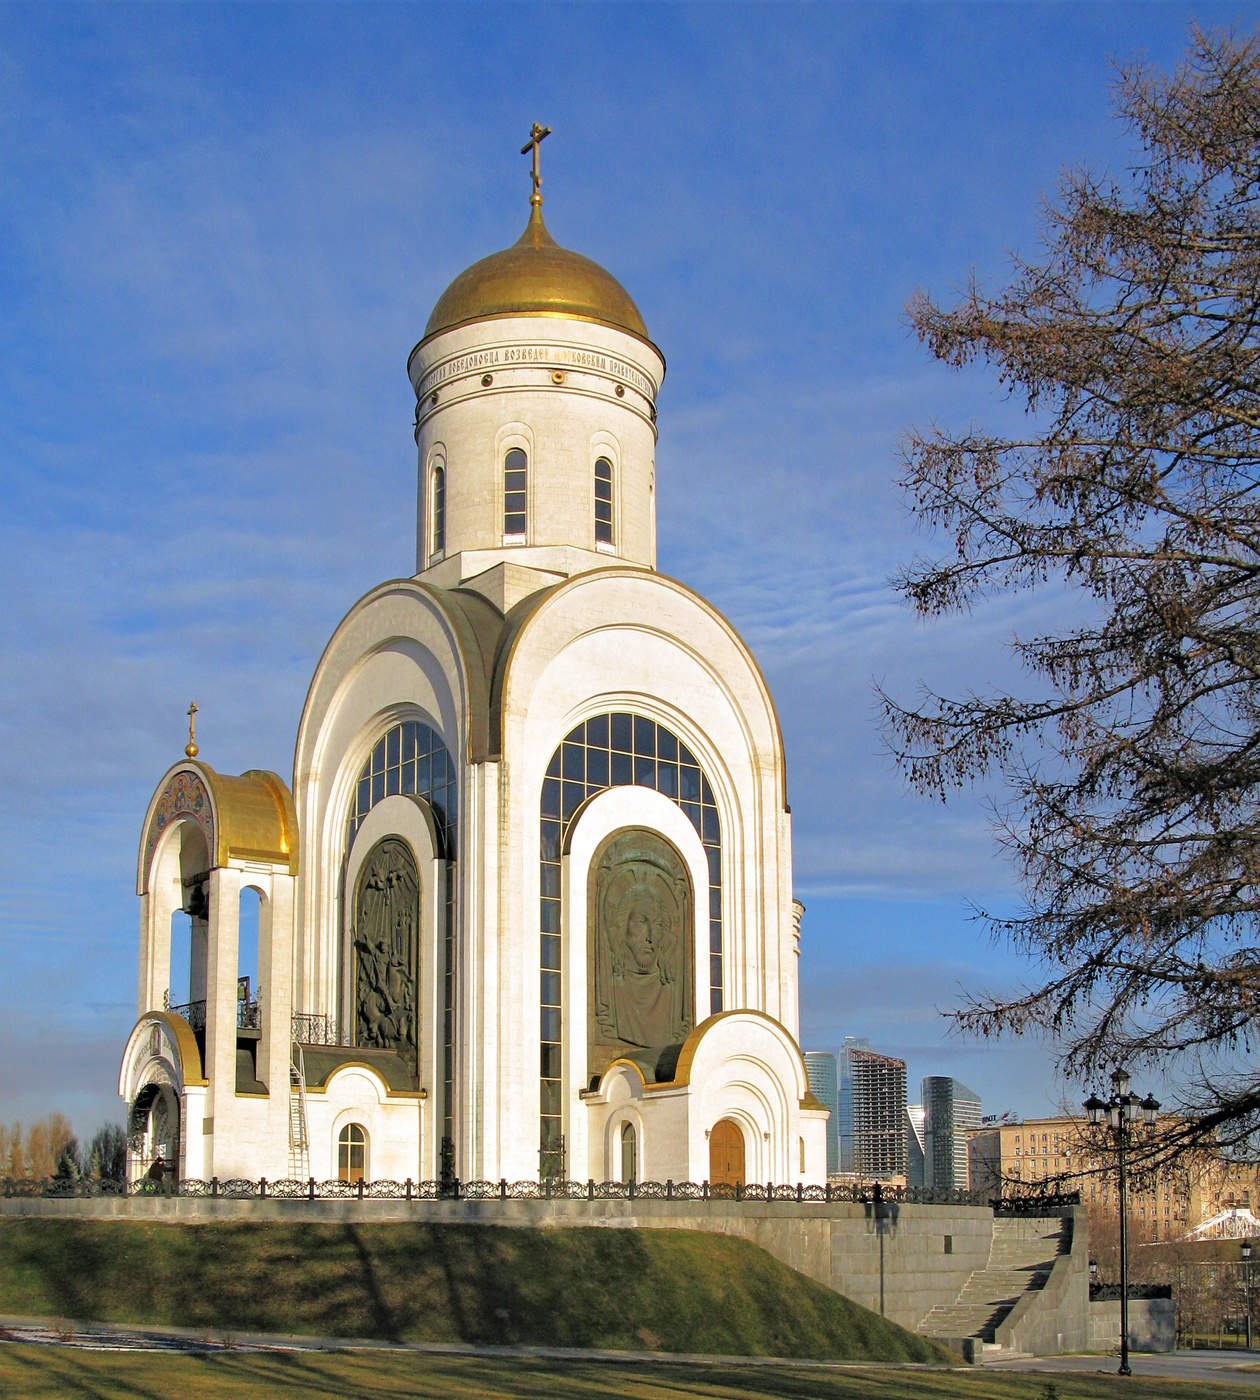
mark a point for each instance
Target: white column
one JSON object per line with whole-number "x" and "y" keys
{"x": 478, "y": 1101}
{"x": 275, "y": 973}
{"x": 222, "y": 938}
{"x": 790, "y": 1014}
{"x": 156, "y": 909}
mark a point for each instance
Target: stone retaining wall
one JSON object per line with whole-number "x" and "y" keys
{"x": 1152, "y": 1324}
{"x": 896, "y": 1259}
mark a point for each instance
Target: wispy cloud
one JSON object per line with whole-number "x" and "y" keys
{"x": 224, "y": 230}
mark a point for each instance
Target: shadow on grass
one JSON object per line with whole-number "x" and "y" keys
{"x": 658, "y": 1290}
{"x": 384, "y": 1323}
{"x": 33, "y": 1373}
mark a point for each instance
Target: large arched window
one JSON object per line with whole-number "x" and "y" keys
{"x": 515, "y": 493}
{"x": 438, "y": 540}
{"x": 409, "y": 758}
{"x": 352, "y": 1153}
{"x": 603, "y": 501}
{"x": 611, "y": 750}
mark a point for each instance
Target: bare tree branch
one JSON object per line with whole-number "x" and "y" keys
{"x": 1131, "y": 766}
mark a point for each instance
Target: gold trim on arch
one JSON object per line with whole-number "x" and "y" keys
{"x": 185, "y": 1045}
{"x": 420, "y": 1094}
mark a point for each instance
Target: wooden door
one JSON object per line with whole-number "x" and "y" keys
{"x": 726, "y": 1154}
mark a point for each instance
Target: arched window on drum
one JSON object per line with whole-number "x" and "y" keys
{"x": 604, "y": 502}
{"x": 515, "y": 495}
{"x": 437, "y": 507}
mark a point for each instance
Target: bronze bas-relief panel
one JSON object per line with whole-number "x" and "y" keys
{"x": 386, "y": 937}
{"x": 640, "y": 951}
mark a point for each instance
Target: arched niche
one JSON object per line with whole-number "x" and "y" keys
{"x": 640, "y": 950}
{"x": 398, "y": 836}
{"x": 385, "y": 949}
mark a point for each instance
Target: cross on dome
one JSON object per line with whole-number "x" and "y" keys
{"x": 537, "y": 133}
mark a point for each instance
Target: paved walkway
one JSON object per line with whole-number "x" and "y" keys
{"x": 1220, "y": 1366}
{"x": 99, "y": 1336}
{"x": 1171, "y": 1365}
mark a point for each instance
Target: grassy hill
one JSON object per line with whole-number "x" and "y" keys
{"x": 659, "y": 1290}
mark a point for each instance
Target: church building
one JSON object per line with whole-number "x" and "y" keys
{"x": 526, "y": 909}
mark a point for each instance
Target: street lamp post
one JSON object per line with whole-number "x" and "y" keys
{"x": 1122, "y": 1110}
{"x": 1246, "y": 1260}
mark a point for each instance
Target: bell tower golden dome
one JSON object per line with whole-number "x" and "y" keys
{"x": 535, "y": 422}
{"x": 536, "y": 277}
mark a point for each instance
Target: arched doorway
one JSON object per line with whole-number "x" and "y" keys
{"x": 726, "y": 1154}
{"x": 153, "y": 1129}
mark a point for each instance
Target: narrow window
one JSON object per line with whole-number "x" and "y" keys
{"x": 514, "y": 492}
{"x": 629, "y": 1154}
{"x": 439, "y": 509}
{"x": 351, "y": 1153}
{"x": 603, "y": 501}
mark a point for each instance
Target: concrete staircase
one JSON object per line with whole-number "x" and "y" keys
{"x": 1019, "y": 1263}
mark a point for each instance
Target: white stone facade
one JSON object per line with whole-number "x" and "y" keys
{"x": 464, "y": 681}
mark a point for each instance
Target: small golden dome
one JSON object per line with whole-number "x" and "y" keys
{"x": 536, "y": 277}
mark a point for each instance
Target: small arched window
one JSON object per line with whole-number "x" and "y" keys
{"x": 439, "y": 509}
{"x": 515, "y": 492}
{"x": 352, "y": 1153}
{"x": 629, "y": 1153}
{"x": 603, "y": 501}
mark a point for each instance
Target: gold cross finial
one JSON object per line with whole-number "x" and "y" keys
{"x": 536, "y": 135}
{"x": 190, "y": 748}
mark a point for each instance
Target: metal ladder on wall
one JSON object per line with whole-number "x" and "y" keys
{"x": 299, "y": 1139}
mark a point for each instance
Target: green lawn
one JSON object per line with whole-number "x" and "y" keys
{"x": 33, "y": 1373}
{"x": 624, "y": 1290}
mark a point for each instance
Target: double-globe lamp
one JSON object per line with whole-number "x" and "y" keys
{"x": 1122, "y": 1110}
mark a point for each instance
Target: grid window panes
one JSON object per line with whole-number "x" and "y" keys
{"x": 603, "y": 501}
{"x": 514, "y": 492}
{"x": 611, "y": 750}
{"x": 351, "y": 1153}
{"x": 439, "y": 509}
{"x": 409, "y": 758}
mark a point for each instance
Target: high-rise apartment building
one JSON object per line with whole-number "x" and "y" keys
{"x": 950, "y": 1109}
{"x": 872, "y": 1111}
{"x": 916, "y": 1154}
{"x": 820, "y": 1066}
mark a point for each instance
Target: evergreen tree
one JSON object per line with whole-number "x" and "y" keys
{"x": 108, "y": 1152}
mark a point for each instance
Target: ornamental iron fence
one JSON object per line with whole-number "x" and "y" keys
{"x": 452, "y": 1188}
{"x": 313, "y": 1028}
{"x": 194, "y": 1012}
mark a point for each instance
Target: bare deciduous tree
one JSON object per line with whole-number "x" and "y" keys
{"x": 1130, "y": 768}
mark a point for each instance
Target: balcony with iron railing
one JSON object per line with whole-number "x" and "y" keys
{"x": 248, "y": 1016}
{"x": 306, "y": 1027}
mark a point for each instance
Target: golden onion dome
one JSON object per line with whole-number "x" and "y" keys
{"x": 536, "y": 277}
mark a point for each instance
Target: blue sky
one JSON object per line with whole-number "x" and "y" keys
{"x": 222, "y": 229}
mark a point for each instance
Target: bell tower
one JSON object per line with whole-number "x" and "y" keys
{"x": 535, "y": 388}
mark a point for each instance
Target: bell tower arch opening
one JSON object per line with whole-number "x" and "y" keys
{"x": 249, "y": 910}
